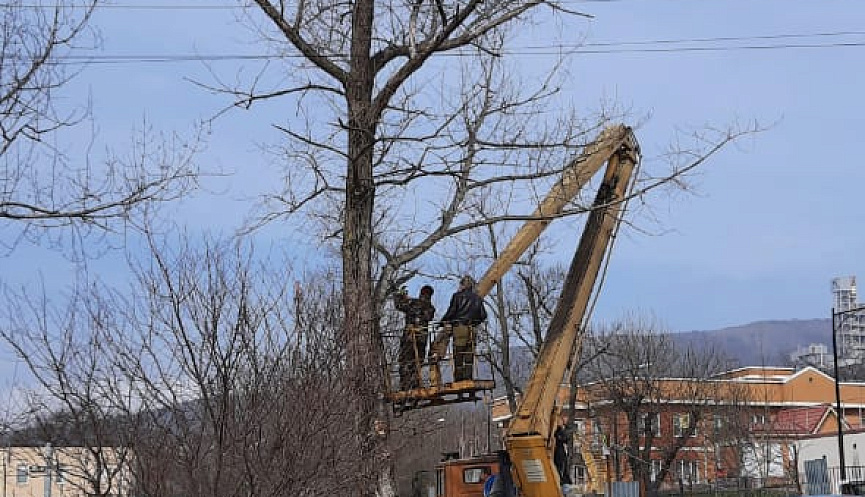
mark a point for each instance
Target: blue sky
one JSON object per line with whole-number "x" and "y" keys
{"x": 774, "y": 217}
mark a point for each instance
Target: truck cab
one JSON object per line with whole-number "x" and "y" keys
{"x": 464, "y": 477}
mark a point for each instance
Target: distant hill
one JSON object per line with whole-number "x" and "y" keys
{"x": 759, "y": 343}
{"x": 763, "y": 342}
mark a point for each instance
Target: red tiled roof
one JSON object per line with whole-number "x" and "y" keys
{"x": 799, "y": 420}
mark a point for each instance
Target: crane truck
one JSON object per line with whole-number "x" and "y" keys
{"x": 526, "y": 464}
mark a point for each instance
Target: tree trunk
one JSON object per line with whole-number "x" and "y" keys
{"x": 361, "y": 325}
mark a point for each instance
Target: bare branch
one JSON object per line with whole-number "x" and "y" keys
{"x": 292, "y": 33}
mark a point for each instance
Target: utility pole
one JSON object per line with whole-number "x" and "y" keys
{"x": 839, "y": 412}
{"x": 48, "y": 454}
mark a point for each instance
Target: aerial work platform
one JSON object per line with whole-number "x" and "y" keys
{"x": 447, "y": 393}
{"x": 433, "y": 381}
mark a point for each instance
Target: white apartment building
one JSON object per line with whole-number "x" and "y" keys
{"x": 817, "y": 355}
{"x": 849, "y": 326}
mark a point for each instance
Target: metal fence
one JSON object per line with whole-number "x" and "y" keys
{"x": 624, "y": 489}
{"x": 817, "y": 479}
{"x": 729, "y": 487}
{"x": 830, "y": 480}
{"x": 820, "y": 479}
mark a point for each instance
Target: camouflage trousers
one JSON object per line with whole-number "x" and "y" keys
{"x": 412, "y": 351}
{"x": 464, "y": 351}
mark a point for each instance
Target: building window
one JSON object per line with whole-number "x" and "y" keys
{"x": 580, "y": 425}
{"x": 717, "y": 424}
{"x": 689, "y": 471}
{"x": 682, "y": 425}
{"x": 651, "y": 421}
{"x": 763, "y": 460}
{"x": 758, "y": 419}
{"x": 655, "y": 469}
{"x": 22, "y": 474}
{"x": 578, "y": 474}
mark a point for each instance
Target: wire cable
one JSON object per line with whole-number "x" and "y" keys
{"x": 116, "y": 59}
{"x": 201, "y": 6}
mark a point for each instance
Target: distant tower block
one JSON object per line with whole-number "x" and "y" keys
{"x": 844, "y": 293}
{"x": 850, "y": 327}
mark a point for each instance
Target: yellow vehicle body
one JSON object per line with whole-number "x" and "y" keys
{"x": 533, "y": 469}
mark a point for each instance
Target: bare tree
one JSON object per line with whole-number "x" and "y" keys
{"x": 754, "y": 443}
{"x": 40, "y": 186}
{"x": 220, "y": 376}
{"x": 72, "y": 406}
{"x": 373, "y": 135}
{"x": 660, "y": 396}
{"x": 393, "y": 149}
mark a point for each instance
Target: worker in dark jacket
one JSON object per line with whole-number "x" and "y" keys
{"x": 465, "y": 312}
{"x": 412, "y": 345}
{"x": 561, "y": 458}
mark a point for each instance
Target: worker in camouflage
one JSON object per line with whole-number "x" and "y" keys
{"x": 412, "y": 346}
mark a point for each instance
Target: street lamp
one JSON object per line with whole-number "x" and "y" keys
{"x": 839, "y": 412}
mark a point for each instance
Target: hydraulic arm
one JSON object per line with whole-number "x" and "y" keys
{"x": 615, "y": 145}
{"x": 574, "y": 177}
{"x": 528, "y": 438}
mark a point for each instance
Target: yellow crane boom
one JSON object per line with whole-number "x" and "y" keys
{"x": 613, "y": 142}
{"x": 528, "y": 437}
{"x": 574, "y": 177}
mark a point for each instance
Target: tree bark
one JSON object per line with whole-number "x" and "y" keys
{"x": 361, "y": 326}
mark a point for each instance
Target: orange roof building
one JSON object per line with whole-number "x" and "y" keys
{"x": 778, "y": 406}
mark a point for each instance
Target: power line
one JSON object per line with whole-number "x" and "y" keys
{"x": 586, "y": 47}
{"x": 724, "y": 48}
{"x": 528, "y": 50}
{"x": 196, "y": 6}
{"x": 125, "y": 6}
{"x": 589, "y": 48}
{"x": 730, "y": 38}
